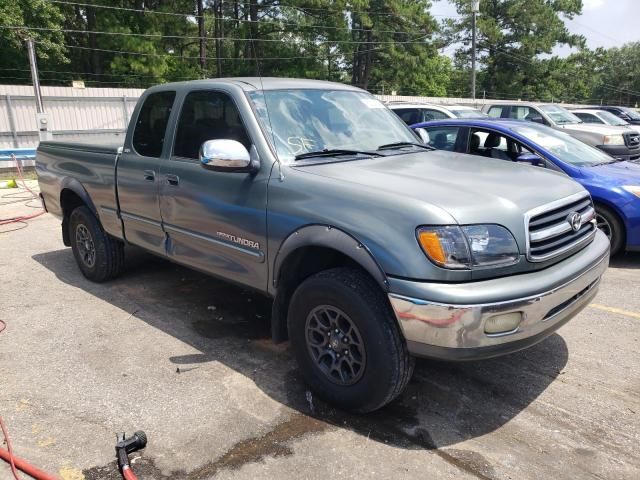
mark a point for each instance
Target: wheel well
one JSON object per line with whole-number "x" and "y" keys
{"x": 69, "y": 201}
{"x": 298, "y": 266}
{"x": 614, "y": 210}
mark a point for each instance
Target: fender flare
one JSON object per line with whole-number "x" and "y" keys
{"x": 316, "y": 235}
{"x": 70, "y": 183}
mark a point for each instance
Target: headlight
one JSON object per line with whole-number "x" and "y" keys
{"x": 613, "y": 140}
{"x": 635, "y": 189}
{"x": 468, "y": 246}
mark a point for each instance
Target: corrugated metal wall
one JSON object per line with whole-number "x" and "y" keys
{"x": 98, "y": 114}
{"x": 95, "y": 114}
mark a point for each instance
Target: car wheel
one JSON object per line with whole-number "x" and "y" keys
{"x": 99, "y": 255}
{"x": 346, "y": 340}
{"x": 611, "y": 226}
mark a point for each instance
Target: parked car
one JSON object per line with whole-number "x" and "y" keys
{"x": 614, "y": 185}
{"x": 602, "y": 117}
{"x": 411, "y": 113}
{"x": 373, "y": 247}
{"x": 625, "y": 113}
{"x": 617, "y": 141}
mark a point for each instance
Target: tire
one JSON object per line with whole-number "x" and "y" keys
{"x": 99, "y": 255}
{"x": 368, "y": 332}
{"x": 612, "y": 227}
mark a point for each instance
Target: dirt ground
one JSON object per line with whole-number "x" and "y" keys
{"x": 188, "y": 359}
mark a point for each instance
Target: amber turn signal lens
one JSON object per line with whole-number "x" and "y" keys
{"x": 430, "y": 243}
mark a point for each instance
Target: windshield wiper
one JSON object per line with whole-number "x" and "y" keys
{"x": 404, "y": 144}
{"x": 334, "y": 152}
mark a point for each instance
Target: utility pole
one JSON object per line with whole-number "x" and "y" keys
{"x": 202, "y": 34}
{"x": 475, "y": 8}
{"x": 42, "y": 119}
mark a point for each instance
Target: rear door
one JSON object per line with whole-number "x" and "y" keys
{"x": 215, "y": 220}
{"x": 138, "y": 170}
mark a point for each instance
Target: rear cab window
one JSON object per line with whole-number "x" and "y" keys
{"x": 151, "y": 125}
{"x": 410, "y": 116}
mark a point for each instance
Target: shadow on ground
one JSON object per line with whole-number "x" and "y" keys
{"x": 444, "y": 404}
{"x": 626, "y": 260}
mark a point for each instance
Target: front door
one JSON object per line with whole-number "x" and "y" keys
{"x": 138, "y": 172}
{"x": 215, "y": 221}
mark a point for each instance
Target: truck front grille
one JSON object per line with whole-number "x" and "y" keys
{"x": 632, "y": 140}
{"x": 560, "y": 227}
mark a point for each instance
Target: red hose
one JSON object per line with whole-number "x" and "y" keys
{"x": 128, "y": 474}
{"x": 6, "y": 221}
{"x": 17, "y": 462}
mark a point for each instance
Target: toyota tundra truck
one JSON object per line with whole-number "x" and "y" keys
{"x": 374, "y": 248}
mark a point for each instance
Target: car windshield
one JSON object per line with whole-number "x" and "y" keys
{"x": 632, "y": 113}
{"x": 559, "y": 115}
{"x": 563, "y": 146}
{"x": 468, "y": 113}
{"x": 610, "y": 119}
{"x": 301, "y": 121}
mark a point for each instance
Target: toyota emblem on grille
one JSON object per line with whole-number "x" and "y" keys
{"x": 575, "y": 220}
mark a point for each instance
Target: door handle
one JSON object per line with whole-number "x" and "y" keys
{"x": 149, "y": 175}
{"x": 173, "y": 179}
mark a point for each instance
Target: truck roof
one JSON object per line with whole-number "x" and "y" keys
{"x": 261, "y": 83}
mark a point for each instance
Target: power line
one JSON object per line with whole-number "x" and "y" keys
{"x": 195, "y": 37}
{"x": 275, "y": 5}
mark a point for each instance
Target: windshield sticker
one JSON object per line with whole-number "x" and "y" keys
{"x": 372, "y": 103}
{"x": 300, "y": 144}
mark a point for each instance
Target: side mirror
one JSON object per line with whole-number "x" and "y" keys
{"x": 225, "y": 156}
{"x": 531, "y": 158}
{"x": 423, "y": 134}
{"x": 539, "y": 120}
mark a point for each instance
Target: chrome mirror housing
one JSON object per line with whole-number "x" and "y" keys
{"x": 225, "y": 155}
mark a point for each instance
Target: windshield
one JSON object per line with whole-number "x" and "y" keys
{"x": 632, "y": 113}
{"x": 610, "y": 119}
{"x": 563, "y": 146}
{"x": 468, "y": 113}
{"x": 559, "y": 115}
{"x": 311, "y": 120}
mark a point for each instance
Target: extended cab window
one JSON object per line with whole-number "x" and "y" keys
{"x": 148, "y": 136}
{"x": 443, "y": 138}
{"x": 206, "y": 116}
{"x": 587, "y": 117}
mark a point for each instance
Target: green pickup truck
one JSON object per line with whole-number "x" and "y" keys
{"x": 374, "y": 247}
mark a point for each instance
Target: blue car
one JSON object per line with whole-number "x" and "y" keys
{"x": 613, "y": 184}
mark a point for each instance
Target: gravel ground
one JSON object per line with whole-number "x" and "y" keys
{"x": 188, "y": 359}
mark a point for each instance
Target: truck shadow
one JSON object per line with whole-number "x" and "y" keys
{"x": 444, "y": 404}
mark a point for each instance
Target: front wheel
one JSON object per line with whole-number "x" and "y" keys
{"x": 99, "y": 255}
{"x": 346, "y": 340}
{"x": 612, "y": 227}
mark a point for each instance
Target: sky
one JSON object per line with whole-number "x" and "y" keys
{"x": 604, "y": 23}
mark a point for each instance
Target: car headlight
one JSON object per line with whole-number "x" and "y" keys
{"x": 613, "y": 140}
{"x": 468, "y": 246}
{"x": 635, "y": 189}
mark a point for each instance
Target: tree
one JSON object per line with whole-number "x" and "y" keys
{"x": 512, "y": 34}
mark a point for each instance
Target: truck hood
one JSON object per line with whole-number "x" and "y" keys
{"x": 599, "y": 129}
{"x": 469, "y": 188}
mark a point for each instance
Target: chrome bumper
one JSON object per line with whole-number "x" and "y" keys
{"x": 457, "y": 332}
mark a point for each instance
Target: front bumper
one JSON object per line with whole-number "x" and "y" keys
{"x": 456, "y": 331}
{"x": 622, "y": 152}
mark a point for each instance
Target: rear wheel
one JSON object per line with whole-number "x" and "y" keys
{"x": 346, "y": 340}
{"x": 611, "y": 226}
{"x": 99, "y": 255}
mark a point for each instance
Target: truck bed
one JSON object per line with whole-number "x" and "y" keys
{"x": 87, "y": 170}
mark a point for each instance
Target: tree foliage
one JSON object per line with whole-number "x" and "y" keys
{"x": 380, "y": 45}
